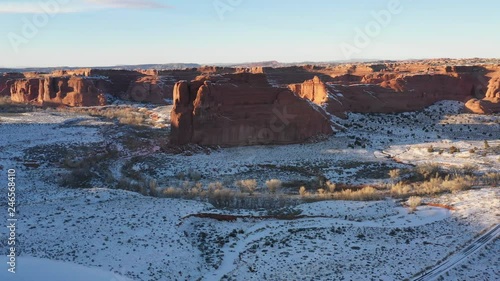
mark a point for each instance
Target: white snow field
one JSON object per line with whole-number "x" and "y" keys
{"x": 102, "y": 233}
{"x": 31, "y": 269}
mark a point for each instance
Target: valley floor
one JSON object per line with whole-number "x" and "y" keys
{"x": 110, "y": 234}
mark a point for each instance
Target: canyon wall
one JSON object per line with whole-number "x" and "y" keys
{"x": 391, "y": 92}
{"x": 242, "y": 109}
{"x": 364, "y": 87}
{"x": 70, "y": 91}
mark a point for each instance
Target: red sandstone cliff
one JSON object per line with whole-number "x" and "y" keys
{"x": 491, "y": 103}
{"x": 71, "y": 91}
{"x": 6, "y": 82}
{"x": 381, "y": 87}
{"x": 393, "y": 93}
{"x": 241, "y": 109}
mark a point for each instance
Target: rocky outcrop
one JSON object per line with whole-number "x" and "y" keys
{"x": 484, "y": 106}
{"x": 493, "y": 88}
{"x": 313, "y": 90}
{"x": 25, "y": 90}
{"x": 242, "y": 109}
{"x": 399, "y": 94}
{"x": 386, "y": 86}
{"x": 491, "y": 102}
{"x": 70, "y": 91}
{"x": 150, "y": 89}
{"x": 6, "y": 82}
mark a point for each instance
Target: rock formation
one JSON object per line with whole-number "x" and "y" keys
{"x": 242, "y": 109}
{"x": 313, "y": 90}
{"x": 391, "y": 93}
{"x": 387, "y": 86}
{"x": 25, "y": 90}
{"x": 6, "y": 82}
{"x": 70, "y": 91}
{"x": 491, "y": 103}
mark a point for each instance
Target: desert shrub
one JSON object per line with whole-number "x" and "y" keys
{"x": 273, "y": 185}
{"x": 448, "y": 184}
{"x": 395, "y": 174}
{"x": 180, "y": 176}
{"x": 486, "y": 144}
{"x": 400, "y": 188}
{"x": 194, "y": 191}
{"x": 472, "y": 151}
{"x": 72, "y": 162}
{"x": 430, "y": 149}
{"x": 124, "y": 115}
{"x": 331, "y": 186}
{"x": 132, "y": 185}
{"x": 466, "y": 169}
{"x": 302, "y": 191}
{"x": 194, "y": 175}
{"x": 413, "y": 202}
{"x": 321, "y": 192}
{"x": 431, "y": 186}
{"x": 365, "y": 194}
{"x": 187, "y": 185}
{"x": 427, "y": 171}
{"x": 247, "y": 186}
{"x": 221, "y": 198}
{"x": 133, "y": 119}
{"x": 492, "y": 178}
{"x": 212, "y": 187}
{"x": 454, "y": 149}
{"x": 172, "y": 192}
{"x": 78, "y": 178}
{"x": 153, "y": 187}
{"x": 457, "y": 184}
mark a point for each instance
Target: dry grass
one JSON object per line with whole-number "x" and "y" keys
{"x": 492, "y": 179}
{"x": 6, "y": 105}
{"x": 465, "y": 170}
{"x": 331, "y": 186}
{"x": 400, "y": 189}
{"x": 172, "y": 192}
{"x": 273, "y": 185}
{"x": 303, "y": 191}
{"x": 153, "y": 188}
{"x": 367, "y": 193}
{"x": 433, "y": 186}
{"x": 124, "y": 115}
{"x": 5, "y": 101}
{"x": 249, "y": 186}
{"x": 395, "y": 174}
{"x": 413, "y": 202}
{"x": 427, "y": 171}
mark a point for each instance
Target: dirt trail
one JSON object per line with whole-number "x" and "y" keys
{"x": 460, "y": 256}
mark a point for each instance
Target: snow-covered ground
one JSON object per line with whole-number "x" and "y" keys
{"x": 372, "y": 145}
{"x": 30, "y": 269}
{"x": 115, "y": 234}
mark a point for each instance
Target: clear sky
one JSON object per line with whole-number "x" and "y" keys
{"x": 113, "y": 32}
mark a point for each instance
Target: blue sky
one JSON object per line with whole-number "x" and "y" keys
{"x": 112, "y": 32}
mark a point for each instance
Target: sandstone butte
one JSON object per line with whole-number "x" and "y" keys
{"x": 242, "y": 109}
{"x": 243, "y": 106}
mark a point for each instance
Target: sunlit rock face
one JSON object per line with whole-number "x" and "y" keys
{"x": 242, "y": 109}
